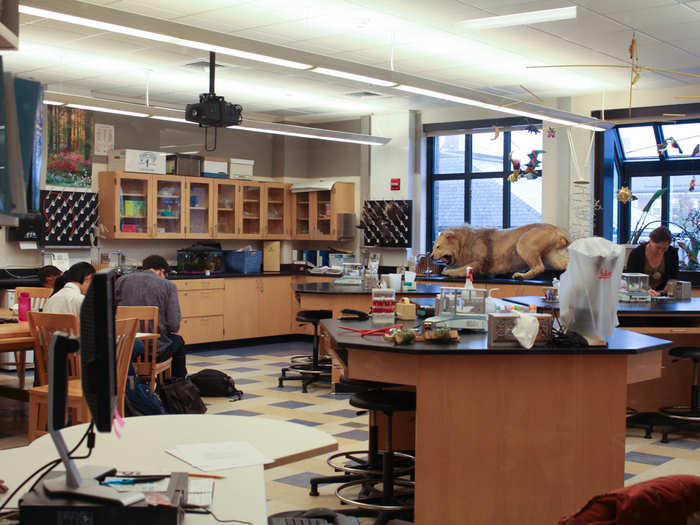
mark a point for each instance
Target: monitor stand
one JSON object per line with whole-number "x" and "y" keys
{"x": 90, "y": 488}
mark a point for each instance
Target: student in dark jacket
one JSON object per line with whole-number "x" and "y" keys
{"x": 656, "y": 258}
{"x": 151, "y": 288}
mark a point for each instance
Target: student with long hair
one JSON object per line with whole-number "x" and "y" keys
{"x": 69, "y": 290}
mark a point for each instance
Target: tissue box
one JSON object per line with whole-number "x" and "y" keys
{"x": 136, "y": 161}
{"x": 501, "y": 329}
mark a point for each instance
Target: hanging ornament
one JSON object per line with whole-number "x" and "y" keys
{"x": 692, "y": 184}
{"x": 625, "y": 195}
{"x": 696, "y": 151}
{"x": 551, "y": 133}
{"x": 496, "y": 131}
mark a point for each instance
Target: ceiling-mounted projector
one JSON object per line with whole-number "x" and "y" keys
{"x": 213, "y": 111}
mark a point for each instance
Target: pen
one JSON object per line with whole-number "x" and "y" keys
{"x": 213, "y": 476}
{"x": 131, "y": 481}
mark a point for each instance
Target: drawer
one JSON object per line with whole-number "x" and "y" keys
{"x": 202, "y": 329}
{"x": 201, "y": 302}
{"x": 199, "y": 284}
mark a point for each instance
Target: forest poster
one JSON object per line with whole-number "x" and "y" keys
{"x": 70, "y": 147}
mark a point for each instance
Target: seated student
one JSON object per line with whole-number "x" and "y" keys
{"x": 150, "y": 288}
{"x": 69, "y": 290}
{"x": 48, "y": 275}
{"x": 656, "y": 258}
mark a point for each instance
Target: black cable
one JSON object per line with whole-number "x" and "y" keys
{"x": 49, "y": 466}
{"x": 229, "y": 521}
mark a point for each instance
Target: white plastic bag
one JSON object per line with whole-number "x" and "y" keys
{"x": 588, "y": 289}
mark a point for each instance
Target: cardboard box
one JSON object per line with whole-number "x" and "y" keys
{"x": 215, "y": 167}
{"x": 271, "y": 256}
{"x": 136, "y": 161}
{"x": 241, "y": 168}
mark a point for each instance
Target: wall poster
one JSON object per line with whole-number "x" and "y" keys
{"x": 70, "y": 146}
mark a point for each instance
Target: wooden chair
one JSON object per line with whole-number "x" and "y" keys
{"x": 125, "y": 332}
{"x": 38, "y": 296}
{"x": 147, "y": 365}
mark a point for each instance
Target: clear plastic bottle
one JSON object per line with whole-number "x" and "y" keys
{"x": 24, "y": 304}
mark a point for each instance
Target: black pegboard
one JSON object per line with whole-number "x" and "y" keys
{"x": 69, "y": 217}
{"x": 387, "y": 224}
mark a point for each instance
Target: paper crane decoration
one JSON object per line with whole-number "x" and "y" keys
{"x": 665, "y": 144}
{"x": 551, "y": 133}
{"x": 532, "y": 129}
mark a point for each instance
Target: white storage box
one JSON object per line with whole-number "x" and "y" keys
{"x": 215, "y": 167}
{"x": 136, "y": 161}
{"x": 241, "y": 168}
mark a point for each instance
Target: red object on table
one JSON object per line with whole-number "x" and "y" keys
{"x": 371, "y": 331}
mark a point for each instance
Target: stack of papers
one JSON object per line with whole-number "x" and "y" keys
{"x": 219, "y": 456}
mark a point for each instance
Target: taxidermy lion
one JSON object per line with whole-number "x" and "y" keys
{"x": 490, "y": 251}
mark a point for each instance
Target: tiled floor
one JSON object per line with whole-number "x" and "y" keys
{"x": 256, "y": 369}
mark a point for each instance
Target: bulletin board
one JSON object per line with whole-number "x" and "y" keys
{"x": 387, "y": 224}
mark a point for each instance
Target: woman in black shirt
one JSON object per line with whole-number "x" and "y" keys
{"x": 656, "y": 258}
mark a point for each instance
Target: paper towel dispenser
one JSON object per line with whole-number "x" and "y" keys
{"x": 346, "y": 226}
{"x": 29, "y": 229}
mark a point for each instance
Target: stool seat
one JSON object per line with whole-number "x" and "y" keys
{"x": 685, "y": 352}
{"x": 387, "y": 401}
{"x": 313, "y": 316}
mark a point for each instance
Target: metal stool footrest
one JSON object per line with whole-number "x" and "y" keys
{"x": 307, "y": 359}
{"x": 307, "y": 369}
{"x": 371, "y": 498}
{"x": 681, "y": 413}
{"x": 363, "y": 467}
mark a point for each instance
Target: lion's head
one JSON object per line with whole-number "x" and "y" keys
{"x": 445, "y": 248}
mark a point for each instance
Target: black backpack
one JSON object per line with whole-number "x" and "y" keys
{"x": 141, "y": 400}
{"x": 180, "y": 396}
{"x": 215, "y": 383}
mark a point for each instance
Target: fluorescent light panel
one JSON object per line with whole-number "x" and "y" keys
{"x": 520, "y": 19}
{"x": 494, "y": 107}
{"x": 321, "y": 135}
{"x": 53, "y": 103}
{"x": 107, "y": 110}
{"x": 173, "y": 119}
{"x": 124, "y": 30}
{"x": 352, "y": 76}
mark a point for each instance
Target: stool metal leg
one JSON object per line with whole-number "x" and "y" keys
{"x": 388, "y": 471}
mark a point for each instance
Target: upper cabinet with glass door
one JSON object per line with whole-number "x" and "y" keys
{"x": 226, "y": 208}
{"x": 200, "y": 210}
{"x": 251, "y": 207}
{"x": 275, "y": 204}
{"x": 125, "y": 205}
{"x": 328, "y": 204}
{"x": 169, "y": 207}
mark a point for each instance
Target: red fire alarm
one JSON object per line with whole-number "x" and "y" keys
{"x": 395, "y": 184}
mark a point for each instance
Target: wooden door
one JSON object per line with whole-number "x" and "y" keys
{"x": 241, "y": 307}
{"x": 226, "y": 222}
{"x": 168, "y": 207}
{"x": 324, "y": 215}
{"x": 302, "y": 215}
{"x": 275, "y": 307}
{"x": 251, "y": 206}
{"x": 200, "y": 212}
{"x": 133, "y": 202}
{"x": 276, "y": 225}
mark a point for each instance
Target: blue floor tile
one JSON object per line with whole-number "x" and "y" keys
{"x": 281, "y": 364}
{"x": 244, "y": 359}
{"x": 628, "y": 476}
{"x": 343, "y": 395}
{"x": 345, "y": 412}
{"x": 352, "y": 424}
{"x": 247, "y": 396}
{"x": 685, "y": 444}
{"x": 291, "y": 404}
{"x": 299, "y": 480}
{"x": 243, "y": 369}
{"x": 200, "y": 363}
{"x": 647, "y": 459}
{"x": 213, "y": 353}
{"x": 358, "y": 435}
{"x": 239, "y": 413}
{"x": 304, "y": 422}
{"x": 245, "y": 381}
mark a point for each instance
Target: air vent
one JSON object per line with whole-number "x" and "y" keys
{"x": 362, "y": 94}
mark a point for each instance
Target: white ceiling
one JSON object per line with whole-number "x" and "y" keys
{"x": 409, "y": 36}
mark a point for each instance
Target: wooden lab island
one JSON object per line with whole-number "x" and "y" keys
{"x": 506, "y": 436}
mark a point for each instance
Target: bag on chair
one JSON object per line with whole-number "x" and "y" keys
{"x": 141, "y": 400}
{"x": 180, "y": 396}
{"x": 213, "y": 383}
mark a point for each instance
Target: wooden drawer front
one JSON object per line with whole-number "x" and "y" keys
{"x": 202, "y": 329}
{"x": 199, "y": 284}
{"x": 201, "y": 302}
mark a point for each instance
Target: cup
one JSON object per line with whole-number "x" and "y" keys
{"x": 551, "y": 293}
{"x": 410, "y": 277}
{"x": 395, "y": 281}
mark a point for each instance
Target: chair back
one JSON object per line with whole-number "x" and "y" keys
{"x": 147, "y": 317}
{"x": 124, "y": 334}
{"x": 37, "y": 296}
{"x": 42, "y": 327}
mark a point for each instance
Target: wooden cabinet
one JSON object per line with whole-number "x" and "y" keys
{"x": 315, "y": 213}
{"x": 250, "y": 219}
{"x": 202, "y": 308}
{"x": 257, "y": 306}
{"x": 226, "y": 224}
{"x": 125, "y": 205}
{"x": 169, "y": 206}
{"x": 276, "y": 213}
{"x": 200, "y": 208}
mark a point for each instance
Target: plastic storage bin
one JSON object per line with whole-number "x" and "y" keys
{"x": 249, "y": 261}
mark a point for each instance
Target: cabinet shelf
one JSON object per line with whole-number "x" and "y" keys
{"x": 256, "y": 218}
{"x": 168, "y": 217}
{"x": 226, "y": 209}
{"x": 142, "y": 195}
{"x": 198, "y": 208}
{"x": 256, "y": 201}
{"x": 275, "y": 219}
{"x": 275, "y": 202}
{"x": 133, "y": 217}
{"x": 168, "y": 196}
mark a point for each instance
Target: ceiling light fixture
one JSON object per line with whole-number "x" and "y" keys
{"x": 172, "y": 119}
{"x": 353, "y": 76}
{"x": 309, "y": 133}
{"x": 158, "y": 37}
{"x": 53, "y": 103}
{"x": 107, "y": 110}
{"x": 520, "y": 19}
{"x": 495, "y": 107}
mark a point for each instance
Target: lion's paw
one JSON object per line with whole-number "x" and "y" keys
{"x": 519, "y": 276}
{"x": 452, "y": 272}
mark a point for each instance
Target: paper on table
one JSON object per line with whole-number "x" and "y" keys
{"x": 219, "y": 456}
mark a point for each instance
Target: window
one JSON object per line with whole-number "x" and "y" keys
{"x": 638, "y": 142}
{"x": 468, "y": 181}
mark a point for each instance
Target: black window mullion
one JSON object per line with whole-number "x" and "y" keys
{"x": 430, "y": 159}
{"x": 506, "y": 182}
{"x": 468, "y": 178}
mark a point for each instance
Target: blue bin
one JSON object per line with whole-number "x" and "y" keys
{"x": 249, "y": 261}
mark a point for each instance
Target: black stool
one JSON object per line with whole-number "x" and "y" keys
{"x": 387, "y": 501}
{"x": 361, "y": 464}
{"x": 686, "y": 417}
{"x": 309, "y": 369}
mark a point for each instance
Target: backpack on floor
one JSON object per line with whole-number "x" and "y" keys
{"x": 212, "y": 382}
{"x": 140, "y": 400}
{"x": 180, "y": 396}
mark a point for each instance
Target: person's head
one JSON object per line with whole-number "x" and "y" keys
{"x": 81, "y": 274}
{"x": 157, "y": 264}
{"x": 660, "y": 239}
{"x": 47, "y": 276}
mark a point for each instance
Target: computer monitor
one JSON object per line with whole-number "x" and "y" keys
{"x": 97, "y": 349}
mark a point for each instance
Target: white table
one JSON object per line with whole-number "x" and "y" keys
{"x": 241, "y": 495}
